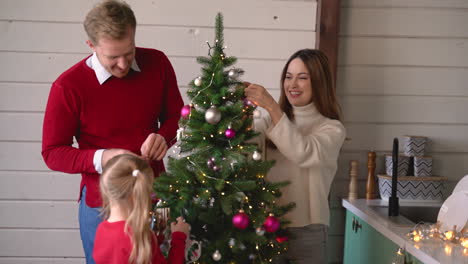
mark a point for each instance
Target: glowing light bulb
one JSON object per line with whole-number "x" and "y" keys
{"x": 449, "y": 235}
{"x": 448, "y": 250}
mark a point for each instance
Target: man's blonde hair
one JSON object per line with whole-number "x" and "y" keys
{"x": 110, "y": 18}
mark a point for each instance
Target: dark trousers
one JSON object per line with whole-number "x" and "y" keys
{"x": 307, "y": 245}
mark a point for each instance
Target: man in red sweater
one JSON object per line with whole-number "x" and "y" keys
{"x": 121, "y": 99}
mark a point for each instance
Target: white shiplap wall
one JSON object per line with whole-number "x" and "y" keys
{"x": 403, "y": 69}
{"x": 41, "y": 39}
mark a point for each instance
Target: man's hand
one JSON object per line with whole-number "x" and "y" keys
{"x": 110, "y": 153}
{"x": 154, "y": 147}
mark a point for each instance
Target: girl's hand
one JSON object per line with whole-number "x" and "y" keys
{"x": 180, "y": 226}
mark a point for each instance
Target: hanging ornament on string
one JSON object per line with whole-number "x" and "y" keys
{"x": 197, "y": 81}
{"x": 259, "y": 231}
{"x": 271, "y": 224}
{"x": 212, "y": 115}
{"x": 232, "y": 242}
{"x": 230, "y": 133}
{"x": 248, "y": 103}
{"x": 185, "y": 111}
{"x": 240, "y": 220}
{"x": 216, "y": 256}
{"x": 256, "y": 155}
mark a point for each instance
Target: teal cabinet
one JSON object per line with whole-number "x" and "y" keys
{"x": 364, "y": 244}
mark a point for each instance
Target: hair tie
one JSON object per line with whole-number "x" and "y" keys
{"x": 135, "y": 173}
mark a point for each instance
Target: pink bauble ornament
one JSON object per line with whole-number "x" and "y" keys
{"x": 240, "y": 220}
{"x": 185, "y": 111}
{"x": 248, "y": 103}
{"x": 271, "y": 224}
{"x": 230, "y": 133}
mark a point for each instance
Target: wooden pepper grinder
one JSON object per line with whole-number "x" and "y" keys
{"x": 353, "y": 174}
{"x": 370, "y": 186}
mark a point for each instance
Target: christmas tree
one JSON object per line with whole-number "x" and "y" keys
{"x": 217, "y": 181}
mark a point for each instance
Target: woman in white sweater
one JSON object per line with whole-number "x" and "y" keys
{"x": 304, "y": 135}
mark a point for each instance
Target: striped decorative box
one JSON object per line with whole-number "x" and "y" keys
{"x": 413, "y": 188}
{"x": 414, "y": 145}
{"x": 403, "y": 165}
{"x": 422, "y": 166}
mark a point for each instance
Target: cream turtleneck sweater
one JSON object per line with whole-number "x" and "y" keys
{"x": 307, "y": 155}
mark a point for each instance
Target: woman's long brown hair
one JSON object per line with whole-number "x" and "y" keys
{"x": 323, "y": 89}
{"x": 133, "y": 195}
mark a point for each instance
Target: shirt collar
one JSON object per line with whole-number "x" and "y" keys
{"x": 101, "y": 73}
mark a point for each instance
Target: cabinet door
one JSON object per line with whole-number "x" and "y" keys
{"x": 352, "y": 250}
{"x": 364, "y": 244}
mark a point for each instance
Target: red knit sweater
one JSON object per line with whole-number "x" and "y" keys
{"x": 120, "y": 113}
{"x": 113, "y": 246}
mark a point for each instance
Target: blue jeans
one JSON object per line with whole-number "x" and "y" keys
{"x": 89, "y": 220}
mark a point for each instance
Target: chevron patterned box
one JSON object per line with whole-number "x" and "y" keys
{"x": 413, "y": 188}
{"x": 403, "y": 165}
{"x": 422, "y": 166}
{"x": 414, "y": 145}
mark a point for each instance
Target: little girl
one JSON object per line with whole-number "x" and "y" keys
{"x": 126, "y": 237}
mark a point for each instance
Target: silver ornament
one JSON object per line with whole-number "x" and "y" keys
{"x": 259, "y": 231}
{"x": 216, "y": 256}
{"x": 256, "y": 155}
{"x": 212, "y": 115}
{"x": 197, "y": 81}
{"x": 232, "y": 242}
{"x": 232, "y": 73}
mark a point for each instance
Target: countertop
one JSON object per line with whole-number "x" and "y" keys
{"x": 431, "y": 251}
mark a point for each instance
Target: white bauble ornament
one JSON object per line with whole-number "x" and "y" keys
{"x": 216, "y": 256}
{"x": 256, "y": 155}
{"x": 232, "y": 73}
{"x": 197, "y": 81}
{"x": 212, "y": 115}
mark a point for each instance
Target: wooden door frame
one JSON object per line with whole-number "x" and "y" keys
{"x": 327, "y": 31}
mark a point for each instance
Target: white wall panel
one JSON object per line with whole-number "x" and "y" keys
{"x": 405, "y": 109}
{"x": 395, "y": 80}
{"x": 39, "y": 214}
{"x": 403, "y": 52}
{"x": 40, "y": 243}
{"x": 406, "y": 3}
{"x": 406, "y": 22}
{"x": 21, "y": 156}
{"x": 298, "y": 15}
{"x": 34, "y": 185}
{"x": 23, "y": 96}
{"x": 173, "y": 40}
{"x": 46, "y": 68}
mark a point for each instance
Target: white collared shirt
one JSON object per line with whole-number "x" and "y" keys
{"x": 102, "y": 75}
